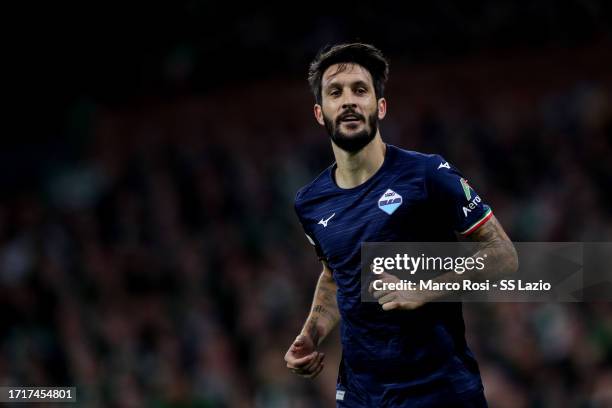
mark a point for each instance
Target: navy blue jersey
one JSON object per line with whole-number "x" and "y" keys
{"x": 396, "y": 357}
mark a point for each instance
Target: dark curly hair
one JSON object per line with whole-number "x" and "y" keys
{"x": 365, "y": 55}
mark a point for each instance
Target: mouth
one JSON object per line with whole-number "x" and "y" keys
{"x": 350, "y": 119}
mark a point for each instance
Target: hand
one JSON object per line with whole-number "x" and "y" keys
{"x": 302, "y": 358}
{"x": 396, "y": 299}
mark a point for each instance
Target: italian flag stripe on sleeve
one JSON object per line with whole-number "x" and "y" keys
{"x": 478, "y": 223}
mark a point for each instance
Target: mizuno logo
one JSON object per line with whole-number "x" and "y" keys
{"x": 445, "y": 165}
{"x": 324, "y": 222}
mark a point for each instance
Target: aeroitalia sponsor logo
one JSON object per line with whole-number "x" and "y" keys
{"x": 471, "y": 206}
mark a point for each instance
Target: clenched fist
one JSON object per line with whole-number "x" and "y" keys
{"x": 302, "y": 358}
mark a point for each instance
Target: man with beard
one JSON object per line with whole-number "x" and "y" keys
{"x": 403, "y": 351}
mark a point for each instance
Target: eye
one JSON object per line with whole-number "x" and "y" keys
{"x": 361, "y": 91}
{"x": 334, "y": 92}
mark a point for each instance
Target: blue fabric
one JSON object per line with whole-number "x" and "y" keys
{"x": 394, "y": 358}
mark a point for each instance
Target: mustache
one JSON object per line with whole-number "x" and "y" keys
{"x": 348, "y": 113}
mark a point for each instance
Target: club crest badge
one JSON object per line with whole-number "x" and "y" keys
{"x": 390, "y": 201}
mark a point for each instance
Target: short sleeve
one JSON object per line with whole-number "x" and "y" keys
{"x": 453, "y": 195}
{"x": 316, "y": 246}
{"x": 309, "y": 235}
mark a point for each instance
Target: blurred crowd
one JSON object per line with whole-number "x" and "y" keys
{"x": 163, "y": 266}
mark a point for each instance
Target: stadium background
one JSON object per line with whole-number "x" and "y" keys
{"x": 149, "y": 253}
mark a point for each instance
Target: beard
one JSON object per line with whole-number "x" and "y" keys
{"x": 357, "y": 141}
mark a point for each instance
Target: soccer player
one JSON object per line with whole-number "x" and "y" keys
{"x": 404, "y": 351}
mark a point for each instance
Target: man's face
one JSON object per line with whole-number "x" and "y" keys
{"x": 349, "y": 109}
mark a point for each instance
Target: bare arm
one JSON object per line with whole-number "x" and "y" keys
{"x": 302, "y": 357}
{"x": 501, "y": 260}
{"x": 324, "y": 315}
{"x": 493, "y": 240}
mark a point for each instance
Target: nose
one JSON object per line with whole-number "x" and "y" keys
{"x": 348, "y": 100}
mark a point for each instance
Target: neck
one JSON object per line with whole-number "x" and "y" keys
{"x": 353, "y": 169}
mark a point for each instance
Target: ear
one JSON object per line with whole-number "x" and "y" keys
{"x": 382, "y": 108}
{"x": 318, "y": 113}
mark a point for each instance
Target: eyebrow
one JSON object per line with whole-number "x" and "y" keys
{"x": 337, "y": 84}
